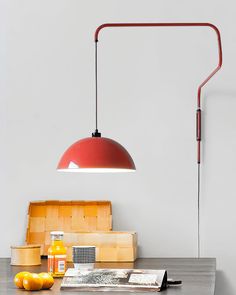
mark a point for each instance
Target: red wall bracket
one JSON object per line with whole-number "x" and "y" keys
{"x": 216, "y": 69}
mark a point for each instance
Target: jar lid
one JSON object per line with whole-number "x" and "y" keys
{"x": 57, "y": 233}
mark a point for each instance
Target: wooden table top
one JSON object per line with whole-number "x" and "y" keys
{"x": 197, "y": 275}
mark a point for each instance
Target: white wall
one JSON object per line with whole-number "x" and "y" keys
{"x": 148, "y": 80}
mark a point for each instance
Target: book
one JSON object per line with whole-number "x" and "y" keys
{"x": 115, "y": 280}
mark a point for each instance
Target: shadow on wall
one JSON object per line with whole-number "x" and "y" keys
{"x": 211, "y": 96}
{"x": 224, "y": 279}
{"x": 216, "y": 93}
{"x": 223, "y": 286}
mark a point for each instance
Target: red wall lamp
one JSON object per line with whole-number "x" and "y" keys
{"x": 100, "y": 154}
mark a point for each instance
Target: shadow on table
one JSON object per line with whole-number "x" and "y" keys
{"x": 223, "y": 286}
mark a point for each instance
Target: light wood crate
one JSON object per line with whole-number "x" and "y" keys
{"x": 110, "y": 246}
{"x": 67, "y": 216}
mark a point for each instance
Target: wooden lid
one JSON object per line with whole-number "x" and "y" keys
{"x": 25, "y": 247}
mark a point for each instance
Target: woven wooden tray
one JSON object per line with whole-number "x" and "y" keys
{"x": 68, "y": 216}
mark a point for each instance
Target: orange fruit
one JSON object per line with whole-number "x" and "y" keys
{"x": 48, "y": 280}
{"x": 33, "y": 282}
{"x": 18, "y": 279}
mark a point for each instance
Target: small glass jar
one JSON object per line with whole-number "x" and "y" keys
{"x": 57, "y": 255}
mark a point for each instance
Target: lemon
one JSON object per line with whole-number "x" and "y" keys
{"x": 18, "y": 279}
{"x": 33, "y": 282}
{"x": 48, "y": 280}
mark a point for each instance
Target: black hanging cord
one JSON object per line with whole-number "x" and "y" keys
{"x": 96, "y": 84}
{"x": 198, "y": 209}
{"x": 96, "y": 133}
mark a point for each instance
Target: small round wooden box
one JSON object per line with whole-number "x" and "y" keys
{"x": 25, "y": 255}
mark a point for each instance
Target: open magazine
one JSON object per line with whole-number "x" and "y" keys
{"x": 115, "y": 280}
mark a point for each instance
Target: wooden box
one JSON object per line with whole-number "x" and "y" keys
{"x": 25, "y": 255}
{"x": 67, "y": 216}
{"x": 110, "y": 246}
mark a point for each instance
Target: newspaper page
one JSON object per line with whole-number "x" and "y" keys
{"x": 115, "y": 280}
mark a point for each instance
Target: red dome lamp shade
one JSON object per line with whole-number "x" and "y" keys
{"x": 96, "y": 154}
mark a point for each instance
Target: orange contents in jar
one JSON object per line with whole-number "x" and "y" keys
{"x": 57, "y": 255}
